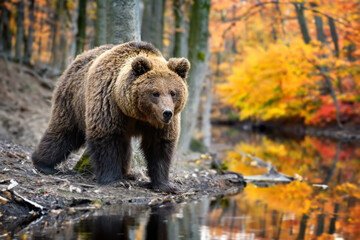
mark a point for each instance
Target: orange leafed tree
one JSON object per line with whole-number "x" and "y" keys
{"x": 294, "y": 60}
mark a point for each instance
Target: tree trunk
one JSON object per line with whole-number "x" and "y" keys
{"x": 30, "y": 38}
{"x": 334, "y": 35}
{"x": 39, "y": 38}
{"x": 5, "y": 33}
{"x": 302, "y": 230}
{"x": 206, "y": 123}
{"x": 152, "y": 28}
{"x": 280, "y": 16}
{"x": 299, "y": 8}
{"x": 198, "y": 56}
{"x": 19, "y": 30}
{"x": 100, "y": 24}
{"x": 261, "y": 35}
{"x": 71, "y": 54}
{"x": 320, "y": 36}
{"x": 324, "y": 71}
{"x": 122, "y": 21}
{"x": 80, "y": 36}
{"x": 180, "y": 37}
{"x": 59, "y": 11}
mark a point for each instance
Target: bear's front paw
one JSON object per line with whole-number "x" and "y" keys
{"x": 165, "y": 187}
{"x": 45, "y": 169}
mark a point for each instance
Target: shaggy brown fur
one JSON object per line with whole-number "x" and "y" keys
{"x": 109, "y": 95}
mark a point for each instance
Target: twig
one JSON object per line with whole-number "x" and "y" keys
{"x": 44, "y": 82}
{"x": 257, "y": 5}
{"x": 3, "y": 200}
{"x": 36, "y": 205}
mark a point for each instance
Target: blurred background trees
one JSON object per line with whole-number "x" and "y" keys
{"x": 266, "y": 61}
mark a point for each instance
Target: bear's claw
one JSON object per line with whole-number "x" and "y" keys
{"x": 165, "y": 187}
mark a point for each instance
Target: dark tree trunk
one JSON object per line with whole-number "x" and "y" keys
{"x": 19, "y": 30}
{"x": 299, "y": 8}
{"x": 302, "y": 229}
{"x": 55, "y": 37}
{"x": 280, "y": 16}
{"x": 5, "y": 33}
{"x": 180, "y": 38}
{"x": 152, "y": 28}
{"x": 320, "y": 36}
{"x": 80, "y": 36}
{"x": 100, "y": 24}
{"x": 334, "y": 35}
{"x": 324, "y": 71}
{"x": 39, "y": 39}
{"x": 335, "y": 40}
{"x": 30, "y": 38}
{"x": 198, "y": 56}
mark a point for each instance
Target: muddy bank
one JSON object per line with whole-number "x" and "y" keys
{"x": 26, "y": 194}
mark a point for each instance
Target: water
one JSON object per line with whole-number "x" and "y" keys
{"x": 324, "y": 205}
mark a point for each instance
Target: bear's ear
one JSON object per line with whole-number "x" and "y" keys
{"x": 141, "y": 65}
{"x": 179, "y": 65}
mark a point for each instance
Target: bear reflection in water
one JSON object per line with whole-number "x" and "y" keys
{"x": 120, "y": 227}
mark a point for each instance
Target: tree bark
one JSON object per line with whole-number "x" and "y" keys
{"x": 198, "y": 56}
{"x": 81, "y": 34}
{"x": 100, "y": 24}
{"x": 280, "y": 16}
{"x": 206, "y": 123}
{"x": 334, "y": 35}
{"x": 122, "y": 21}
{"x": 320, "y": 36}
{"x": 299, "y": 8}
{"x": 180, "y": 37}
{"x": 5, "y": 33}
{"x": 59, "y": 11}
{"x": 324, "y": 71}
{"x": 19, "y": 30}
{"x": 30, "y": 38}
{"x": 152, "y": 28}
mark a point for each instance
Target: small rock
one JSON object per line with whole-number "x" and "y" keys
{"x": 75, "y": 189}
{"x": 155, "y": 201}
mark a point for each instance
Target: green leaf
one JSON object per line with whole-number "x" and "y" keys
{"x": 201, "y": 56}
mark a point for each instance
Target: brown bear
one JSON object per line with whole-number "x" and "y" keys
{"x": 109, "y": 95}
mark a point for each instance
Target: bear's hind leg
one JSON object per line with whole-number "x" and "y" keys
{"x": 55, "y": 147}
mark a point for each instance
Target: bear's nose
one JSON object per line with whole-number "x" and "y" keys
{"x": 167, "y": 114}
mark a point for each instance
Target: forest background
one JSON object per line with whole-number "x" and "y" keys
{"x": 288, "y": 62}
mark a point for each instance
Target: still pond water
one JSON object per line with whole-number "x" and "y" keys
{"x": 324, "y": 205}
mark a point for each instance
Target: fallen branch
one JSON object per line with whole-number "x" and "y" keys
{"x": 43, "y": 82}
{"x": 34, "y": 204}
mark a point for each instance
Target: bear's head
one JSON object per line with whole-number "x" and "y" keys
{"x": 151, "y": 89}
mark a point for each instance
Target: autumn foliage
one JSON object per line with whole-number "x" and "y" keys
{"x": 316, "y": 163}
{"x": 267, "y": 69}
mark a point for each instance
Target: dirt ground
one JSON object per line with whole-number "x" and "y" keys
{"x": 26, "y": 194}
{"x": 25, "y": 103}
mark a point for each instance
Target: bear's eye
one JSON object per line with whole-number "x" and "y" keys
{"x": 156, "y": 94}
{"x": 172, "y": 93}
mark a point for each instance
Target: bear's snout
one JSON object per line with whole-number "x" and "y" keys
{"x": 167, "y": 114}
